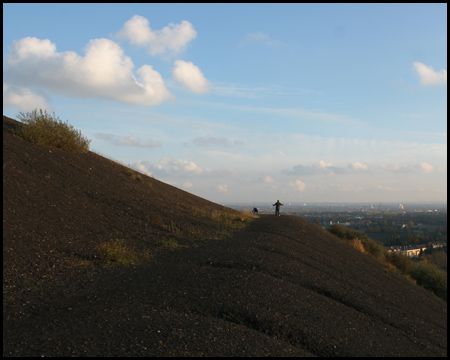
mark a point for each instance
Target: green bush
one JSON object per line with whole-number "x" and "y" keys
{"x": 373, "y": 247}
{"x": 427, "y": 275}
{"x": 400, "y": 261}
{"x": 44, "y": 129}
{"x": 370, "y": 246}
{"x": 430, "y": 277}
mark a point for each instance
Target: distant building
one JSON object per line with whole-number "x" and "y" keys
{"x": 401, "y": 206}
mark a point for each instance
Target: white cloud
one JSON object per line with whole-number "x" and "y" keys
{"x": 429, "y": 77}
{"x": 104, "y": 72}
{"x": 142, "y": 168}
{"x": 183, "y": 166}
{"x": 169, "y": 169}
{"x": 190, "y": 77}
{"x": 268, "y": 179}
{"x": 128, "y": 140}
{"x": 357, "y": 166}
{"x": 425, "y": 168}
{"x": 23, "y": 99}
{"x": 173, "y": 38}
{"x": 223, "y": 188}
{"x": 298, "y": 185}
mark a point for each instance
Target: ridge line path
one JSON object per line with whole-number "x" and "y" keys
{"x": 280, "y": 287}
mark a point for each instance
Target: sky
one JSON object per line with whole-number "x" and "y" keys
{"x": 245, "y": 103}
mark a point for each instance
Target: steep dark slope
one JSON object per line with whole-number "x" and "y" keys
{"x": 57, "y": 206}
{"x": 281, "y": 287}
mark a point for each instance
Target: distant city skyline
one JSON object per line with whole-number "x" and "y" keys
{"x": 247, "y": 103}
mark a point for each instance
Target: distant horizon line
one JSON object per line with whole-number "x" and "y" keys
{"x": 344, "y": 202}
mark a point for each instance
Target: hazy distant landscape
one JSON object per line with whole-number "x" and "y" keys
{"x": 390, "y": 223}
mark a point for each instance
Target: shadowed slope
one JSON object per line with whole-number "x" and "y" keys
{"x": 280, "y": 287}
{"x": 58, "y": 206}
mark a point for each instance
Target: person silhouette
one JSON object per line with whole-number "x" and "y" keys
{"x": 277, "y": 207}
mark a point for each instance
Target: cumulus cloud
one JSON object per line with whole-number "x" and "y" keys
{"x": 298, "y": 185}
{"x": 428, "y": 76}
{"x": 103, "y": 72}
{"x": 170, "y": 168}
{"x": 321, "y": 167}
{"x": 181, "y": 166}
{"x": 268, "y": 179}
{"x": 23, "y": 99}
{"x": 173, "y": 38}
{"x": 190, "y": 77}
{"x": 128, "y": 140}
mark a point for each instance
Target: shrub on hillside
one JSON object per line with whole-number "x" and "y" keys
{"x": 430, "y": 277}
{"x": 400, "y": 261}
{"x": 44, "y": 129}
{"x": 427, "y": 275}
{"x": 349, "y": 235}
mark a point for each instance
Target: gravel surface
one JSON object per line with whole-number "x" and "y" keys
{"x": 280, "y": 287}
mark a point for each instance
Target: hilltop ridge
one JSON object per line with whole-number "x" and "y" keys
{"x": 280, "y": 287}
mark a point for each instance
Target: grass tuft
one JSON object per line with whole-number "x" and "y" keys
{"x": 115, "y": 251}
{"x": 169, "y": 243}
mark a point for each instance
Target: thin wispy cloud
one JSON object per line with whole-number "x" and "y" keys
{"x": 255, "y": 92}
{"x": 260, "y": 38}
{"x": 292, "y": 113}
{"x": 207, "y": 141}
{"x": 127, "y": 140}
{"x": 423, "y": 168}
{"x": 321, "y": 167}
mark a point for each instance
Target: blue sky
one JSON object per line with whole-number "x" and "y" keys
{"x": 246, "y": 102}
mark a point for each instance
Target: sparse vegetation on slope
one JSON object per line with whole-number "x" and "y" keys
{"x": 426, "y": 275}
{"x": 115, "y": 251}
{"x": 44, "y": 129}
